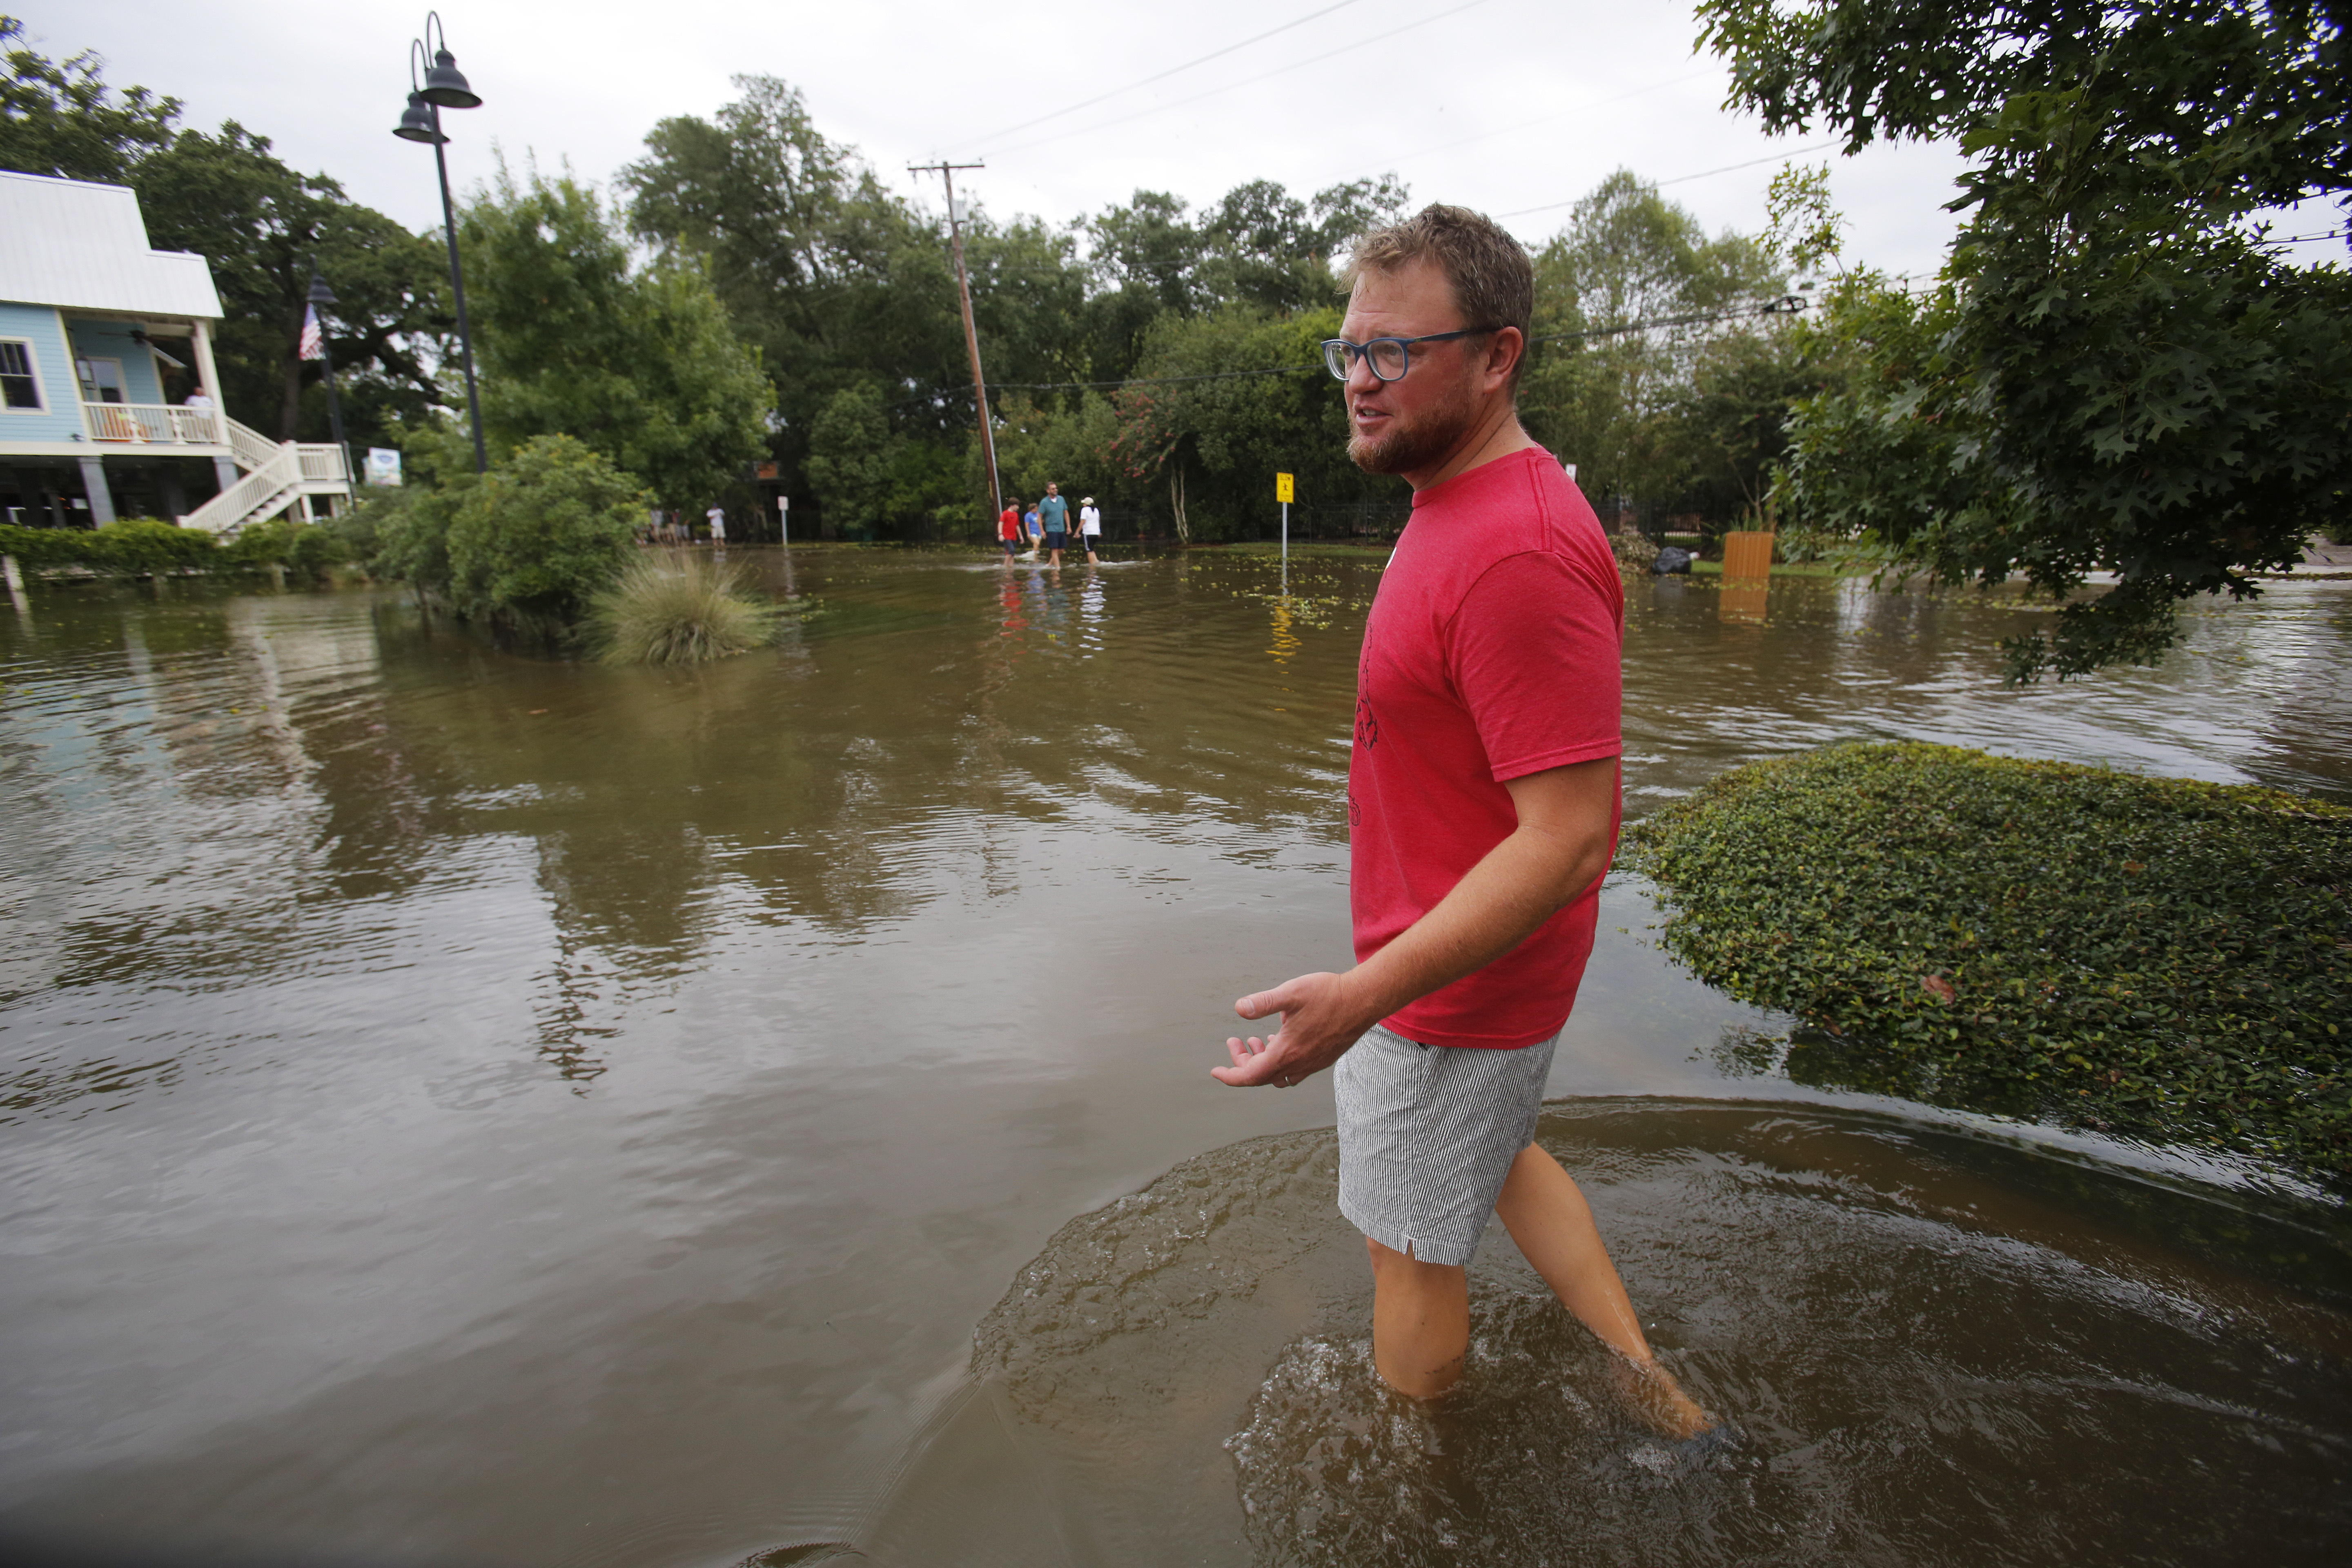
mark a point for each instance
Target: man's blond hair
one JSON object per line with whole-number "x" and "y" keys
{"x": 1493, "y": 281}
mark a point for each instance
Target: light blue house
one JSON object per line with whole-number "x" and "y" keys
{"x": 96, "y": 327}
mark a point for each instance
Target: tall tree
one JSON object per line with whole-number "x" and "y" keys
{"x": 1149, "y": 247}
{"x": 843, "y": 284}
{"x": 1725, "y": 433}
{"x": 831, "y": 276}
{"x": 640, "y": 363}
{"x": 58, "y": 117}
{"x": 1628, "y": 256}
{"x": 2119, "y": 374}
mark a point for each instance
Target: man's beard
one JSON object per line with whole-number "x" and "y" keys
{"x": 1421, "y": 445}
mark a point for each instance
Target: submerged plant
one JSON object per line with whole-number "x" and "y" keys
{"x": 683, "y": 614}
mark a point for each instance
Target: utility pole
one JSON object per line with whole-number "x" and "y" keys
{"x": 946, "y": 172}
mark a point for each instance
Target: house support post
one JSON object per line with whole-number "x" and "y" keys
{"x": 93, "y": 485}
{"x": 200, "y": 337}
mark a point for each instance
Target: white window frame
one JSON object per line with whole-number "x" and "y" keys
{"x": 121, "y": 382}
{"x": 33, "y": 368}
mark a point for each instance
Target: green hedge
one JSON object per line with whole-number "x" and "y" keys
{"x": 135, "y": 547}
{"x": 2150, "y": 955}
{"x": 142, "y": 547}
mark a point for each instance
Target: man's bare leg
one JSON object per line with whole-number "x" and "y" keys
{"x": 1421, "y": 1321}
{"x": 1552, "y": 1224}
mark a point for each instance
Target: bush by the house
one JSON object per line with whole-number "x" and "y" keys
{"x": 134, "y": 547}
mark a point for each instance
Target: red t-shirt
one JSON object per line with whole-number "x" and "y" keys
{"x": 1492, "y": 652}
{"x": 1008, "y": 524}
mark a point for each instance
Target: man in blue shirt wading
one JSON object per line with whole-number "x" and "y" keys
{"x": 1055, "y": 514}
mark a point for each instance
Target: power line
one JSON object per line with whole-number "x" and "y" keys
{"x": 1680, "y": 179}
{"x": 1148, "y": 380}
{"x": 1556, "y": 114}
{"x": 1231, "y": 86}
{"x": 1171, "y": 70}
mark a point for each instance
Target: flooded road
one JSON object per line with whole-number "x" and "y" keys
{"x": 469, "y": 1106}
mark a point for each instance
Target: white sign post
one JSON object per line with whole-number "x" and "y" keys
{"x": 783, "y": 519}
{"x": 1283, "y": 487}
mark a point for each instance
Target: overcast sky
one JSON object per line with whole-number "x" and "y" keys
{"x": 1503, "y": 105}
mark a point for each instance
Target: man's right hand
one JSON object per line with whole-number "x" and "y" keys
{"x": 1322, "y": 1016}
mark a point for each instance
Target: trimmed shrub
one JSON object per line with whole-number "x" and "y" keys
{"x": 140, "y": 547}
{"x": 259, "y": 544}
{"x": 2149, "y": 955}
{"x": 682, "y": 614}
{"x": 36, "y": 549}
{"x": 134, "y": 547}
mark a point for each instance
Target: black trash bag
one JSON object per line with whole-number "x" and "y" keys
{"x": 1673, "y": 558}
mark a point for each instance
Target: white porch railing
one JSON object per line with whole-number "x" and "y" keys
{"x": 134, "y": 423}
{"x": 324, "y": 463}
{"x": 157, "y": 424}
{"x": 252, "y": 448}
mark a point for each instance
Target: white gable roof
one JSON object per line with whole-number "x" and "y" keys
{"x": 84, "y": 246}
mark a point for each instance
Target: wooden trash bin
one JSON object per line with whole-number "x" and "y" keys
{"x": 1748, "y": 555}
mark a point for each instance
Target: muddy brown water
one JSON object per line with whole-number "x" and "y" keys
{"x": 467, "y": 1107}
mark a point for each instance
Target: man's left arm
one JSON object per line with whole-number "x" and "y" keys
{"x": 1566, "y": 832}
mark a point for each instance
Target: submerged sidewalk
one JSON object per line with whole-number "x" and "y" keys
{"x": 2322, "y": 560}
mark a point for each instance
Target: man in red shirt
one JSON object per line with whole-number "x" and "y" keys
{"x": 1481, "y": 807}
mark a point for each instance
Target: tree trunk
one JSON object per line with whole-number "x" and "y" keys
{"x": 1176, "y": 501}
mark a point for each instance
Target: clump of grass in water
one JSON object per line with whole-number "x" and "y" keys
{"x": 2150, "y": 955}
{"x": 683, "y": 614}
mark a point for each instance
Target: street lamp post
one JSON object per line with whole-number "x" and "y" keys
{"x": 445, "y": 87}
{"x": 322, "y": 299}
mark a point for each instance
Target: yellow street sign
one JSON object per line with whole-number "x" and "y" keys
{"x": 1282, "y": 489}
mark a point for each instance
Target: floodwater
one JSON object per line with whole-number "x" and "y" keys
{"x": 460, "y": 1106}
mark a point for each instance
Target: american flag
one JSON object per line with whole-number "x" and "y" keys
{"x": 314, "y": 342}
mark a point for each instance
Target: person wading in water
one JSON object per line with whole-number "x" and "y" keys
{"x": 1483, "y": 805}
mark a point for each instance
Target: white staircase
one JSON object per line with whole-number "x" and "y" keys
{"x": 278, "y": 475}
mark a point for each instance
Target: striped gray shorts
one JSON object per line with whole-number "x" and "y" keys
{"x": 1427, "y": 1134}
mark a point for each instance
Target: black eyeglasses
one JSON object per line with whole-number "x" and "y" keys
{"x": 1388, "y": 357}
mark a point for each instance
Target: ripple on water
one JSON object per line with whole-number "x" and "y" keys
{"x": 1930, "y": 1347}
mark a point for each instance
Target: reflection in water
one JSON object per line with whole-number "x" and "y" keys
{"x": 474, "y": 1105}
{"x": 1286, "y": 637}
{"x": 1744, "y": 600}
